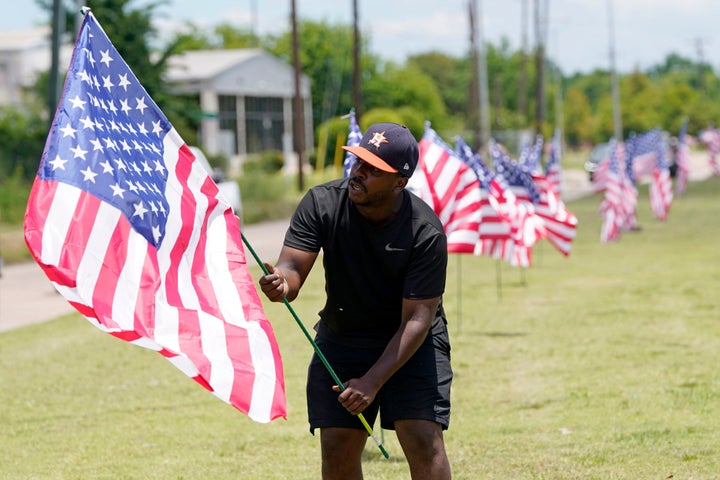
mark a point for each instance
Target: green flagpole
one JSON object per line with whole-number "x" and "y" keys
{"x": 498, "y": 281}
{"x": 317, "y": 349}
{"x": 459, "y": 293}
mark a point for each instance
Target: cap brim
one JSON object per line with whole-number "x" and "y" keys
{"x": 369, "y": 157}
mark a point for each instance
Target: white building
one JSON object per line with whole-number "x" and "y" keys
{"x": 24, "y": 54}
{"x": 246, "y": 99}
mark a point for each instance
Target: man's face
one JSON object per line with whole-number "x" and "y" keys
{"x": 370, "y": 186}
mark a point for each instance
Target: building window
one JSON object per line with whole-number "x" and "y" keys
{"x": 264, "y": 123}
{"x": 228, "y": 117}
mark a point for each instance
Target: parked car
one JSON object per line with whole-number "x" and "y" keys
{"x": 597, "y": 154}
{"x": 228, "y": 188}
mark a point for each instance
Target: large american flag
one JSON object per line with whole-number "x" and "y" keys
{"x": 132, "y": 231}
{"x": 354, "y": 137}
{"x": 451, "y": 188}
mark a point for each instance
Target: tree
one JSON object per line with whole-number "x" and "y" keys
{"x": 405, "y": 86}
{"x": 451, "y": 77}
{"x": 326, "y": 58}
{"x": 578, "y": 117}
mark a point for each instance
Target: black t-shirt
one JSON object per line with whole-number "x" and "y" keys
{"x": 369, "y": 269}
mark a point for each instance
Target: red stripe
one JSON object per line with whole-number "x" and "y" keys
{"x": 107, "y": 281}
{"x": 38, "y": 208}
{"x": 187, "y": 214}
{"x": 148, "y": 288}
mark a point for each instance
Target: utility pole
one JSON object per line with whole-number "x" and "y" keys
{"x": 357, "y": 93}
{"x": 474, "y": 106}
{"x": 482, "y": 79}
{"x": 539, "y": 71}
{"x": 701, "y": 63}
{"x": 617, "y": 117}
{"x": 522, "y": 93}
{"x": 58, "y": 25}
{"x": 253, "y": 22}
{"x": 299, "y": 130}
{"x": 79, "y": 17}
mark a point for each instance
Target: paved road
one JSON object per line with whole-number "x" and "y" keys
{"x": 26, "y": 295}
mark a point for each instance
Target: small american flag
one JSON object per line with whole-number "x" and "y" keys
{"x": 518, "y": 201}
{"x": 132, "y": 231}
{"x": 531, "y": 155}
{"x": 660, "y": 191}
{"x": 628, "y": 192}
{"x": 518, "y": 177}
{"x": 354, "y": 137}
{"x": 611, "y": 208}
{"x": 495, "y": 235}
{"x": 553, "y": 168}
{"x": 560, "y": 223}
{"x": 642, "y": 152}
{"x": 682, "y": 160}
{"x": 711, "y": 138}
{"x": 451, "y": 188}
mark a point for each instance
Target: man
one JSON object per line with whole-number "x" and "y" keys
{"x": 383, "y": 328}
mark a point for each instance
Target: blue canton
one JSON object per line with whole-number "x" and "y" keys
{"x": 107, "y": 136}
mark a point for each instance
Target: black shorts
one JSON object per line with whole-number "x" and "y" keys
{"x": 420, "y": 389}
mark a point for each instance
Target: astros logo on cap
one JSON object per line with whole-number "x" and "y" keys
{"x": 378, "y": 139}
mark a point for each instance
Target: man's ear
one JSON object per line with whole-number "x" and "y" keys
{"x": 400, "y": 184}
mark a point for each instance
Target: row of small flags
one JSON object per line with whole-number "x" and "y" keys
{"x": 645, "y": 155}
{"x": 501, "y": 213}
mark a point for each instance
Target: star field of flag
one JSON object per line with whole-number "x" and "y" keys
{"x": 108, "y": 140}
{"x": 516, "y": 176}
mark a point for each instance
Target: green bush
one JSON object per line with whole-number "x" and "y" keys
{"x": 23, "y": 137}
{"x": 14, "y": 193}
{"x": 266, "y": 197}
{"x": 270, "y": 161}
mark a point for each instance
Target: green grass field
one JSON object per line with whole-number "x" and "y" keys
{"x": 603, "y": 365}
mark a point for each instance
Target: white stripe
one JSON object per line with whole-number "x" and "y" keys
{"x": 128, "y": 288}
{"x": 231, "y": 306}
{"x": 183, "y": 364}
{"x": 58, "y": 222}
{"x": 214, "y": 346}
{"x": 166, "y": 316}
{"x": 93, "y": 259}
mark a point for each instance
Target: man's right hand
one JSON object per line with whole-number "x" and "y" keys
{"x": 273, "y": 284}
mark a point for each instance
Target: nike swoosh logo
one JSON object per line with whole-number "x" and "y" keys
{"x": 388, "y": 248}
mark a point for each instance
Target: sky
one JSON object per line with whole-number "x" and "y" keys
{"x": 580, "y": 33}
